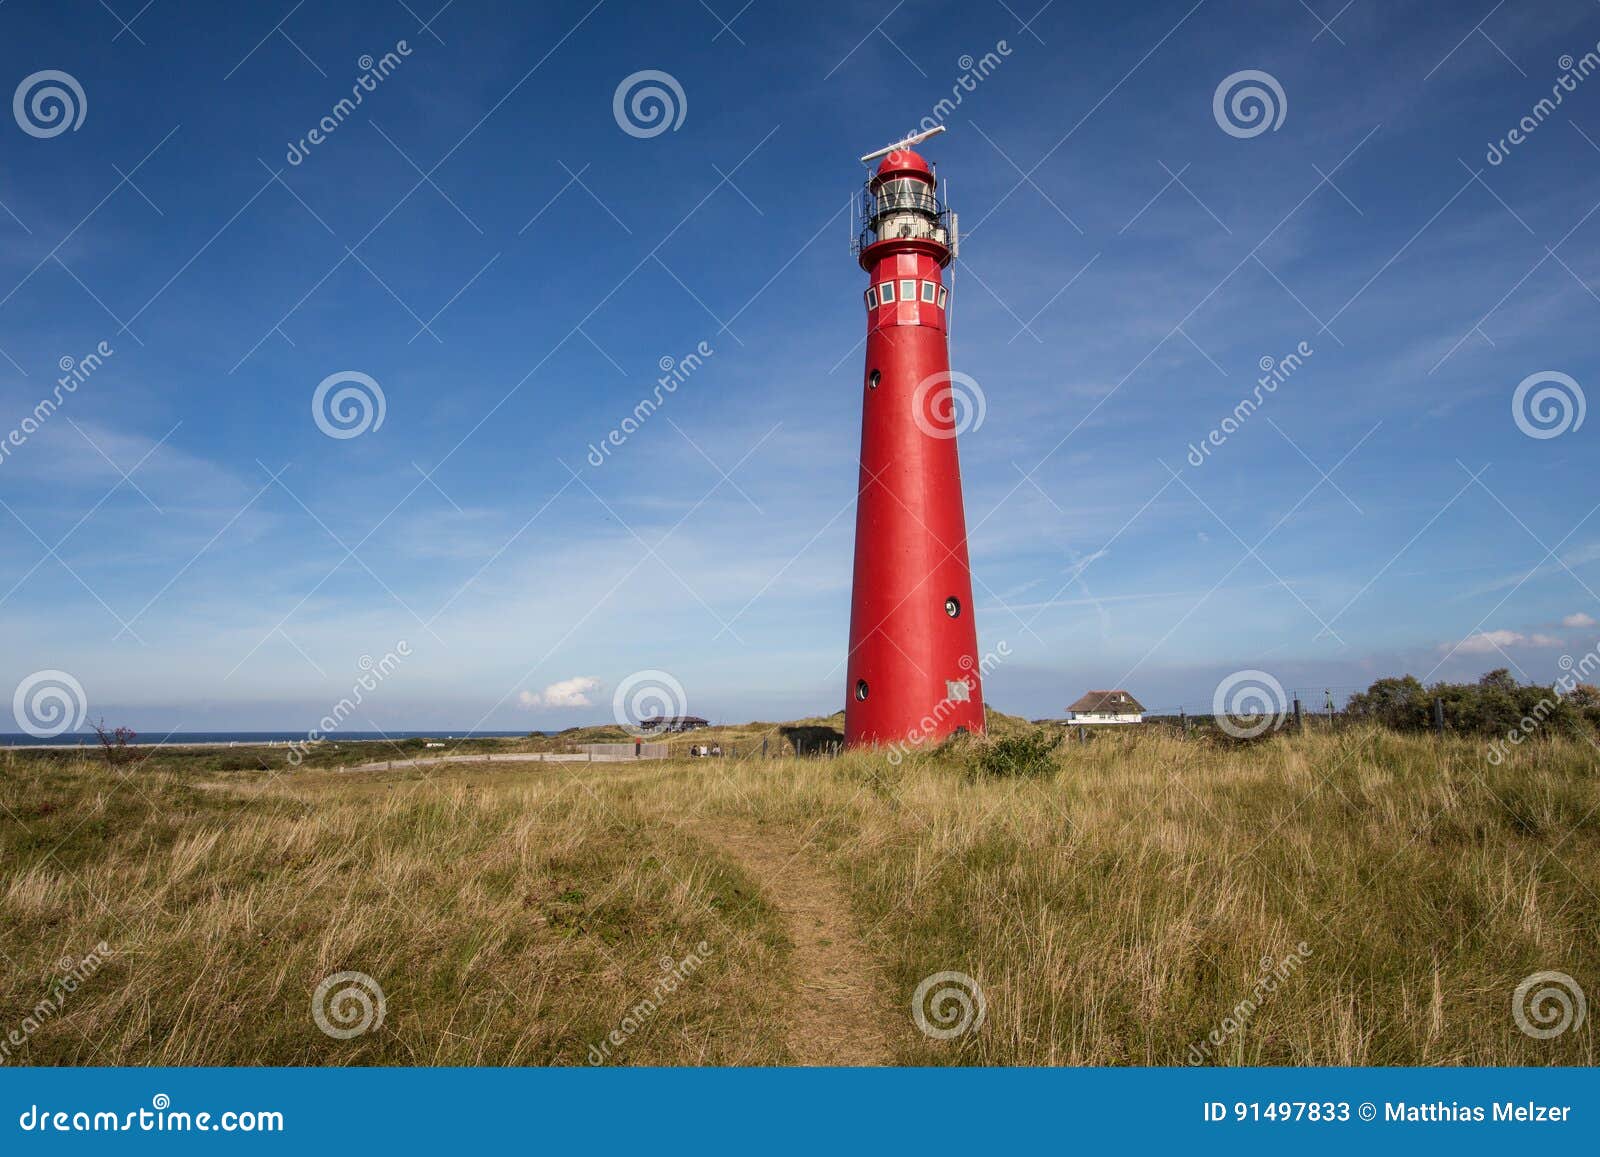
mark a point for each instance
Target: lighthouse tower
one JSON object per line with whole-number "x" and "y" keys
{"x": 912, "y": 672}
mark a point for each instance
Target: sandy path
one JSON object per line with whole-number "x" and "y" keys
{"x": 838, "y": 1015}
{"x": 502, "y": 757}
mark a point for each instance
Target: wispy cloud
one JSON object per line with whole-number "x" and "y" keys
{"x": 1488, "y": 642}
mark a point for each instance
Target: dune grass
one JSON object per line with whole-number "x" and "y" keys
{"x": 1122, "y": 907}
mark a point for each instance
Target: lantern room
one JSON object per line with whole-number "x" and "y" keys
{"x": 901, "y": 203}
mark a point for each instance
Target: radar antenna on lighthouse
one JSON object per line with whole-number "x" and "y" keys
{"x": 906, "y": 143}
{"x": 912, "y": 674}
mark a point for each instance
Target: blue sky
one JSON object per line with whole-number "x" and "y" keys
{"x": 482, "y": 239}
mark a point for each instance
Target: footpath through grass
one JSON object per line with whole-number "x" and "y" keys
{"x": 1357, "y": 898}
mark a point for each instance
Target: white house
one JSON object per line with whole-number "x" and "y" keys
{"x": 1106, "y": 707}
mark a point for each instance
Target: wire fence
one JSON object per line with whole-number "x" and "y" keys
{"x": 1301, "y": 709}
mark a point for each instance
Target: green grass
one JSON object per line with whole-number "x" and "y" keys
{"x": 1115, "y": 905}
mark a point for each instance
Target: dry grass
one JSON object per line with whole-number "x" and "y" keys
{"x": 1114, "y": 911}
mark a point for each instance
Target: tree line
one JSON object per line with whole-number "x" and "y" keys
{"x": 1495, "y": 705}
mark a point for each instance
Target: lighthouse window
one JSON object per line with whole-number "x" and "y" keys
{"x": 872, "y": 298}
{"x": 861, "y": 689}
{"x": 952, "y": 607}
{"x": 927, "y": 292}
{"x": 908, "y": 291}
{"x": 943, "y": 294}
{"x": 886, "y": 293}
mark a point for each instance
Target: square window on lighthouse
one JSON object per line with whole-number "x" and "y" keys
{"x": 927, "y": 292}
{"x": 872, "y": 298}
{"x": 886, "y": 293}
{"x": 943, "y": 295}
{"x": 908, "y": 291}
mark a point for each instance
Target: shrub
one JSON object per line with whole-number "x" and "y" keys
{"x": 1026, "y": 754}
{"x": 1401, "y": 704}
{"x": 1494, "y": 705}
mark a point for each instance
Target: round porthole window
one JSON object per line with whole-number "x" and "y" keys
{"x": 952, "y": 607}
{"x": 861, "y": 688}
{"x": 873, "y": 379}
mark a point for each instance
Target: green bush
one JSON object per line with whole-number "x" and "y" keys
{"x": 1027, "y": 754}
{"x": 1494, "y": 705}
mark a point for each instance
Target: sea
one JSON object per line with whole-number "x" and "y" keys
{"x": 242, "y": 738}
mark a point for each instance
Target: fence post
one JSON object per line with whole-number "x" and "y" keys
{"x": 763, "y": 747}
{"x": 1299, "y": 717}
{"x": 1438, "y": 716}
{"x": 1183, "y": 723}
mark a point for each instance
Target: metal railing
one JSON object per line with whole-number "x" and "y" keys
{"x": 939, "y": 229}
{"x": 867, "y": 214}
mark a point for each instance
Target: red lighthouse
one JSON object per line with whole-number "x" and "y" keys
{"x": 912, "y": 672}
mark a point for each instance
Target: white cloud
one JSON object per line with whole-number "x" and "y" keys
{"x": 1485, "y": 642}
{"x": 1578, "y": 620}
{"x": 1478, "y": 644}
{"x": 573, "y": 692}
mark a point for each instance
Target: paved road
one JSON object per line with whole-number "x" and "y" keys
{"x": 514, "y": 757}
